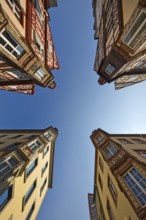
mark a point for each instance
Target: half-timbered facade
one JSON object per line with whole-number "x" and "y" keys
{"x": 26, "y": 171}
{"x": 119, "y": 176}
{"x": 27, "y": 53}
{"x": 120, "y": 30}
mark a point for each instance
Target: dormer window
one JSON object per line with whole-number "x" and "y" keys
{"x": 49, "y": 136}
{"x": 109, "y": 69}
{"x": 34, "y": 146}
{"x": 8, "y": 165}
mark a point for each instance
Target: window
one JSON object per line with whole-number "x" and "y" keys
{"x": 100, "y": 181}
{"x": 137, "y": 31}
{"x": 110, "y": 211}
{"x": 109, "y": 69}
{"x": 29, "y": 193}
{"x": 30, "y": 212}
{"x": 37, "y": 6}
{"x": 48, "y": 136}
{"x": 137, "y": 184}
{"x": 110, "y": 151}
{"x": 40, "y": 73}
{"x": 5, "y": 197}
{"x": 31, "y": 167}
{"x": 101, "y": 164}
{"x": 16, "y": 9}
{"x": 99, "y": 138}
{"x": 34, "y": 146}
{"x": 8, "y": 42}
{"x": 44, "y": 168}
{"x": 112, "y": 189}
{"x": 38, "y": 44}
{"x": 7, "y": 165}
{"x": 17, "y": 74}
{"x": 38, "y": 10}
{"x": 46, "y": 149}
{"x": 43, "y": 186}
{"x": 139, "y": 141}
{"x": 12, "y": 146}
{"x": 125, "y": 141}
{"x": 11, "y": 217}
{"x": 143, "y": 154}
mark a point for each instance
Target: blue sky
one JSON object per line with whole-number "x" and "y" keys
{"x": 76, "y": 107}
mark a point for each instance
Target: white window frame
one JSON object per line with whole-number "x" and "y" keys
{"x": 14, "y": 7}
{"x": 137, "y": 183}
{"x": 40, "y": 74}
{"x": 8, "y": 164}
{"x": 110, "y": 151}
{"x": 134, "y": 35}
{"x": 109, "y": 69}
{"x": 9, "y": 43}
{"x": 34, "y": 146}
{"x": 48, "y": 135}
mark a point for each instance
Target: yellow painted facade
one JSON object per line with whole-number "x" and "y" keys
{"x": 16, "y": 208}
{"x": 113, "y": 197}
{"x": 122, "y": 209}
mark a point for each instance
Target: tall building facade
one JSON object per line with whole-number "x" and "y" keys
{"x": 26, "y": 171}
{"x": 120, "y": 30}
{"x": 27, "y": 54}
{"x": 119, "y": 176}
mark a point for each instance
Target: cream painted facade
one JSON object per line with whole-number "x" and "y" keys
{"x": 117, "y": 157}
{"x": 36, "y": 164}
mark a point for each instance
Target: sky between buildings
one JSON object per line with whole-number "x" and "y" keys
{"x": 76, "y": 107}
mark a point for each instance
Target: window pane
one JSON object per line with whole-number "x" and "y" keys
{"x": 5, "y": 197}
{"x": 9, "y": 48}
{"x": 31, "y": 167}
{"x": 2, "y": 41}
{"x": 135, "y": 27}
{"x": 10, "y": 38}
{"x": 30, "y": 212}
{"x": 13, "y": 162}
{"x": 29, "y": 192}
{"x": 136, "y": 183}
